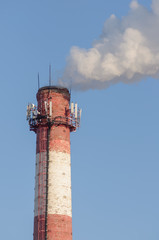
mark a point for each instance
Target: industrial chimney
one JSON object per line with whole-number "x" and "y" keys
{"x": 52, "y": 121}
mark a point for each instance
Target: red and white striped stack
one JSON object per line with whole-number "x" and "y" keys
{"x": 53, "y": 207}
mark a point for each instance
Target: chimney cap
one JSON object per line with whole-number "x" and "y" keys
{"x": 57, "y": 89}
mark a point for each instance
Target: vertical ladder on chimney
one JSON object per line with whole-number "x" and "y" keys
{"x": 42, "y": 185}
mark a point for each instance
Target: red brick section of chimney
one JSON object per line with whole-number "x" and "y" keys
{"x": 52, "y": 205}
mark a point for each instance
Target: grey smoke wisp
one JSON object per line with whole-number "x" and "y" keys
{"x": 127, "y": 51}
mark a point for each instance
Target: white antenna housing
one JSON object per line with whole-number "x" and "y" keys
{"x": 50, "y": 109}
{"x": 45, "y": 106}
{"x": 32, "y": 105}
{"x": 76, "y": 110}
{"x": 80, "y": 113}
{"x": 72, "y": 107}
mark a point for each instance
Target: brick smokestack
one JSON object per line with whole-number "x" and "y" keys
{"x": 52, "y": 121}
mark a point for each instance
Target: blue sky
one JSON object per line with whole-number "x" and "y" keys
{"x": 114, "y": 154}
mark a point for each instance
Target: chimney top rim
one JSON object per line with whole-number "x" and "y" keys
{"x": 61, "y": 89}
{"x": 57, "y": 89}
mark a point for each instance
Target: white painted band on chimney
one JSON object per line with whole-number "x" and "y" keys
{"x": 59, "y": 183}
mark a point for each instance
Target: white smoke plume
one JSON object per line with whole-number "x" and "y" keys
{"x": 127, "y": 51}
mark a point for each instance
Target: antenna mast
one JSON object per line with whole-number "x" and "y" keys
{"x": 50, "y": 75}
{"x": 38, "y": 81}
